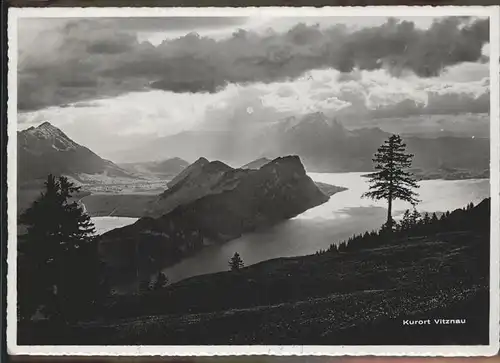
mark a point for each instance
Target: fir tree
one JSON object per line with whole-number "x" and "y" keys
{"x": 434, "y": 218}
{"x": 415, "y": 217}
{"x": 58, "y": 264}
{"x": 391, "y": 181}
{"x": 427, "y": 219}
{"x": 161, "y": 281}
{"x": 406, "y": 222}
{"x": 236, "y": 263}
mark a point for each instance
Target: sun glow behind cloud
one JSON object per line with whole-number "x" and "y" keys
{"x": 360, "y": 95}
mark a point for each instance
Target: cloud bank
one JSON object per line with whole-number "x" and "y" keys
{"x": 91, "y": 59}
{"x": 354, "y": 99}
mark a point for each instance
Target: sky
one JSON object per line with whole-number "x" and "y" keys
{"x": 110, "y": 82}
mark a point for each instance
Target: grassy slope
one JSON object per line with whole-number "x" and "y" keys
{"x": 332, "y": 298}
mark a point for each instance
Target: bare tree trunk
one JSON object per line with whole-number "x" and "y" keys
{"x": 389, "y": 212}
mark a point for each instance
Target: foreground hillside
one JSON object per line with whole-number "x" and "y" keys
{"x": 348, "y": 296}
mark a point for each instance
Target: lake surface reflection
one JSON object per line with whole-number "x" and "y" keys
{"x": 345, "y": 214}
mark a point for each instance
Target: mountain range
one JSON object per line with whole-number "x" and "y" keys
{"x": 46, "y": 149}
{"x": 211, "y": 203}
{"x": 197, "y": 180}
{"x": 164, "y": 169}
{"x": 322, "y": 143}
{"x": 256, "y": 164}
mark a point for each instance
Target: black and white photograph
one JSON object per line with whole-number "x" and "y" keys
{"x": 253, "y": 181}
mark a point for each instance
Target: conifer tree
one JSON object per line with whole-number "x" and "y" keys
{"x": 406, "y": 222}
{"x": 392, "y": 181}
{"x": 434, "y": 218}
{"x": 236, "y": 263}
{"x": 59, "y": 243}
{"x": 415, "y": 217}
{"x": 427, "y": 219}
{"x": 161, "y": 281}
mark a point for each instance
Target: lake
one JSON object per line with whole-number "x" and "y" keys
{"x": 104, "y": 224}
{"x": 345, "y": 214}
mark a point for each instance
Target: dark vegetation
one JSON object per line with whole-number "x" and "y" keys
{"x": 413, "y": 224}
{"x": 58, "y": 245}
{"x": 159, "y": 282}
{"x": 436, "y": 268}
{"x": 236, "y": 263}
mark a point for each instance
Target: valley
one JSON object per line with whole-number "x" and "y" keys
{"x": 324, "y": 145}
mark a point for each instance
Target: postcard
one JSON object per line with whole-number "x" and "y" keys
{"x": 253, "y": 181}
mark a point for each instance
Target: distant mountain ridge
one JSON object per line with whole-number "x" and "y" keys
{"x": 256, "y": 164}
{"x": 46, "y": 149}
{"x": 199, "y": 179}
{"x": 167, "y": 168}
{"x": 194, "y": 167}
{"x": 323, "y": 144}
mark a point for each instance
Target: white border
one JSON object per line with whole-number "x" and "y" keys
{"x": 487, "y": 11}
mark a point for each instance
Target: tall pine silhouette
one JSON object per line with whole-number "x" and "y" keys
{"x": 58, "y": 267}
{"x": 391, "y": 180}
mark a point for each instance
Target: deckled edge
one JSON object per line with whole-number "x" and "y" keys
{"x": 370, "y": 11}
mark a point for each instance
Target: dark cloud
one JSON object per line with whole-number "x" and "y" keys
{"x": 110, "y": 46}
{"x": 95, "y": 58}
{"x": 172, "y": 23}
{"x": 445, "y": 104}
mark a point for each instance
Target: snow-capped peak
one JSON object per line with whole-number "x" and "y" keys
{"x": 49, "y": 132}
